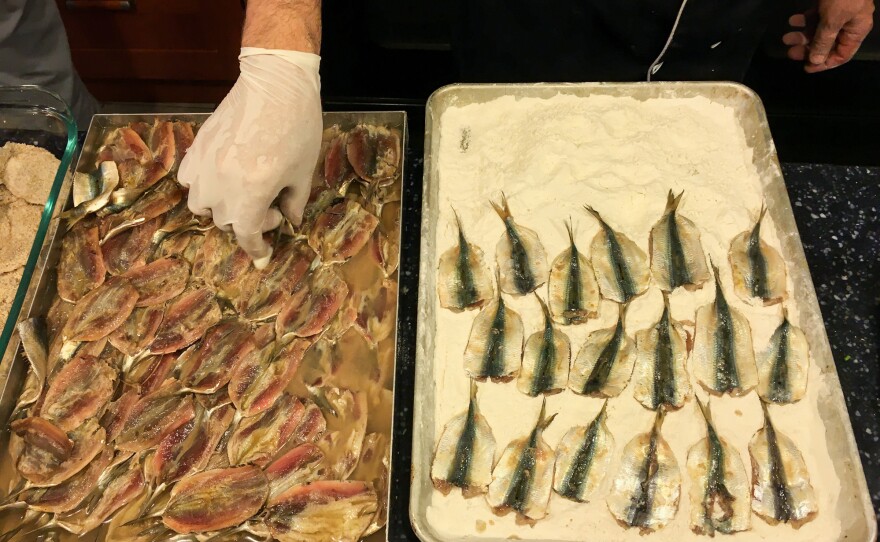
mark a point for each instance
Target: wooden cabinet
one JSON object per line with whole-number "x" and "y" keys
{"x": 155, "y": 50}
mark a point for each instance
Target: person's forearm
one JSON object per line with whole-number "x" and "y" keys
{"x": 294, "y": 25}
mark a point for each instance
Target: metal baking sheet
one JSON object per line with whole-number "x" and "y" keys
{"x": 857, "y": 516}
{"x": 41, "y": 291}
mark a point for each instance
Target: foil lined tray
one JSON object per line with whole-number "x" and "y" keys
{"x": 854, "y": 509}
{"x": 42, "y": 288}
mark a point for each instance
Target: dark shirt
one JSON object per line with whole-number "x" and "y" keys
{"x": 605, "y": 40}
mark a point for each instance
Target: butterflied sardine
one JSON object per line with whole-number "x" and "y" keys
{"x": 677, "y": 257}
{"x": 70, "y": 493}
{"x": 621, "y": 267}
{"x": 129, "y": 250}
{"x": 149, "y": 373}
{"x": 377, "y": 311}
{"x": 257, "y": 439}
{"x": 465, "y": 281}
{"x": 342, "y": 230}
{"x": 781, "y": 490}
{"x": 313, "y": 304}
{"x": 465, "y": 452}
{"x": 159, "y": 281}
{"x": 604, "y": 365}
{"x": 546, "y": 357}
{"x": 322, "y": 511}
{"x": 187, "y": 317}
{"x": 81, "y": 266}
{"x": 374, "y": 153}
{"x": 223, "y": 264}
{"x": 582, "y": 459}
{"x": 523, "y": 478}
{"x": 188, "y": 448}
{"x": 210, "y": 364}
{"x": 119, "y": 491}
{"x": 78, "y": 391}
{"x": 719, "y": 493}
{"x": 91, "y": 194}
{"x": 270, "y": 287}
{"x": 661, "y": 352}
{"x": 784, "y": 364}
{"x": 758, "y": 269}
{"x": 157, "y": 201}
{"x": 521, "y": 258}
{"x": 138, "y": 330}
{"x": 723, "y": 359}
{"x": 101, "y": 311}
{"x": 49, "y": 456}
{"x": 495, "y": 345}
{"x": 647, "y": 487}
{"x": 573, "y": 291}
{"x": 216, "y": 499}
{"x": 297, "y": 467}
{"x": 154, "y": 417}
{"x": 263, "y": 375}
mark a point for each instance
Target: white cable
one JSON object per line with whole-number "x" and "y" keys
{"x": 656, "y": 63}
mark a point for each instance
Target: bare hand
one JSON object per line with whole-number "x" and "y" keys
{"x": 829, "y": 36}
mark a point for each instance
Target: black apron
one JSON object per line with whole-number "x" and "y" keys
{"x": 605, "y": 40}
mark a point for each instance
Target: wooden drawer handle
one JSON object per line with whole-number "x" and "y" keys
{"x": 107, "y": 5}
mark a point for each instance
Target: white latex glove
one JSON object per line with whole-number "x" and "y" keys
{"x": 261, "y": 142}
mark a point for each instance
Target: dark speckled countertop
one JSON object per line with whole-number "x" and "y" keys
{"x": 836, "y": 209}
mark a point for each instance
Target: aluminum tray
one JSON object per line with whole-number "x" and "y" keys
{"x": 38, "y": 298}
{"x": 854, "y": 509}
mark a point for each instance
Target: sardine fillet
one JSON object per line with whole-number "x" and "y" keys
{"x": 708, "y": 360}
{"x": 532, "y": 252}
{"x": 573, "y": 293}
{"x": 600, "y": 369}
{"x": 653, "y": 389}
{"x": 765, "y": 499}
{"x": 738, "y": 516}
{"x": 677, "y": 261}
{"x": 464, "y": 282}
{"x": 622, "y": 269}
{"x": 545, "y": 363}
{"x": 582, "y": 461}
{"x": 784, "y": 365}
{"x": 469, "y": 468}
{"x": 744, "y": 275}
{"x": 534, "y": 504}
{"x": 495, "y": 344}
{"x": 662, "y": 493}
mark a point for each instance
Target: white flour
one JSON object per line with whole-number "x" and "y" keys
{"x": 620, "y": 156}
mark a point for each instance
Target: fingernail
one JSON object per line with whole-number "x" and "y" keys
{"x": 817, "y": 59}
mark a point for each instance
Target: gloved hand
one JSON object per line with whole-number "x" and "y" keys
{"x": 261, "y": 142}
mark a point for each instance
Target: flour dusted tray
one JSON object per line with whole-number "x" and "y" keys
{"x": 825, "y": 434}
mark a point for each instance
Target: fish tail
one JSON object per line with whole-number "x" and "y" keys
{"x": 503, "y": 209}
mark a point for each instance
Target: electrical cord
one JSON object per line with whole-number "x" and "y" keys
{"x": 655, "y": 66}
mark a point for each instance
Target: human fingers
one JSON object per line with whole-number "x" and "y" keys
{"x": 251, "y": 241}
{"x": 795, "y": 38}
{"x": 797, "y": 52}
{"x": 824, "y": 39}
{"x": 798, "y": 20}
{"x": 293, "y": 201}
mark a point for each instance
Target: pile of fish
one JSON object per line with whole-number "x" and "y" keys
{"x": 646, "y": 489}
{"x": 178, "y": 393}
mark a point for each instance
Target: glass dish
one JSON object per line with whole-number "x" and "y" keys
{"x": 35, "y": 116}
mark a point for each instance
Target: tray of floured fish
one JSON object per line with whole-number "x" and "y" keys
{"x": 162, "y": 388}
{"x": 618, "y": 332}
